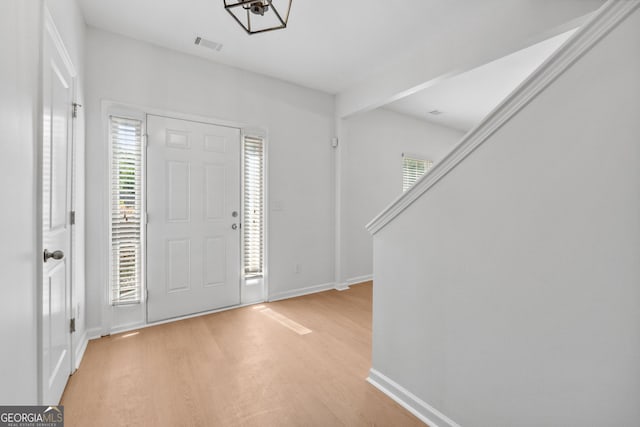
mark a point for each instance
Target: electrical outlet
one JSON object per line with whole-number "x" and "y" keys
{"x": 297, "y": 269}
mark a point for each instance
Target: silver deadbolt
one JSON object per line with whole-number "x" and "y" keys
{"x": 234, "y": 226}
{"x": 234, "y": 214}
{"x": 55, "y": 255}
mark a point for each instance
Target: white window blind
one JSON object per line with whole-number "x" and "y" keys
{"x": 253, "y": 208}
{"x": 412, "y": 170}
{"x": 126, "y": 211}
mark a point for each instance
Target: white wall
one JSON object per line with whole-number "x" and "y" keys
{"x": 371, "y": 147}
{"x": 20, "y": 24}
{"x": 509, "y": 293}
{"x": 299, "y": 123}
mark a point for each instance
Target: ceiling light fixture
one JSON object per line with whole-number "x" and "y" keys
{"x": 435, "y": 112}
{"x": 259, "y": 16}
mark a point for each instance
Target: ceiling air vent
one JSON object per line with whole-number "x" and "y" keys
{"x": 208, "y": 44}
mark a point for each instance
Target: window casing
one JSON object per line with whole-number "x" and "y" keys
{"x": 253, "y": 206}
{"x": 412, "y": 170}
{"x": 126, "y": 210}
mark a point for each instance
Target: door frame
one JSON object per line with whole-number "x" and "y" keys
{"x": 116, "y": 319}
{"x": 50, "y": 30}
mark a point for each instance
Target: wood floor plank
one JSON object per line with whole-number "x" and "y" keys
{"x": 239, "y": 368}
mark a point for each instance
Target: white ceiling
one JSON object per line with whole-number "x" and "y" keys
{"x": 465, "y": 99}
{"x": 331, "y": 44}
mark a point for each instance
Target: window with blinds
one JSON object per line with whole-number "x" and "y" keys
{"x": 253, "y": 206}
{"x": 412, "y": 170}
{"x": 126, "y": 210}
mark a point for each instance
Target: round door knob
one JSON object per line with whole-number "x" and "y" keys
{"x": 234, "y": 226}
{"x": 54, "y": 255}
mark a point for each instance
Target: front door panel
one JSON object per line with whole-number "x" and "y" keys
{"x": 193, "y": 190}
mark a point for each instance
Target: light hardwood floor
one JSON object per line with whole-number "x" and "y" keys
{"x": 243, "y": 367}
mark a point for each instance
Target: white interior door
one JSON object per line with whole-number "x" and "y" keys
{"x": 193, "y": 206}
{"x": 56, "y": 232}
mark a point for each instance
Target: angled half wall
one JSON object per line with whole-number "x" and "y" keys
{"x": 507, "y": 278}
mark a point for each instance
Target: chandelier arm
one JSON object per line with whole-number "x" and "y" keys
{"x": 284, "y": 24}
{"x": 239, "y": 22}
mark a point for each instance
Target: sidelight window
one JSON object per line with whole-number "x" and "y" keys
{"x": 126, "y": 210}
{"x": 253, "y": 206}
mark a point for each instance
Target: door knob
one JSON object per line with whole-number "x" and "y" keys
{"x": 234, "y": 226}
{"x": 54, "y": 255}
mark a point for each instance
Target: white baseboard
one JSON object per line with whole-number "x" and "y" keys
{"x": 412, "y": 403}
{"x": 80, "y": 349}
{"x": 359, "y": 279}
{"x": 93, "y": 333}
{"x": 353, "y": 281}
{"x": 302, "y": 291}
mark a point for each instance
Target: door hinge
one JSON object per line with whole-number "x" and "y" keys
{"x": 74, "y": 111}
{"x": 72, "y": 218}
{"x": 72, "y": 325}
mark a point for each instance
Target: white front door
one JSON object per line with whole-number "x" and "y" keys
{"x": 56, "y": 227}
{"x": 193, "y": 206}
